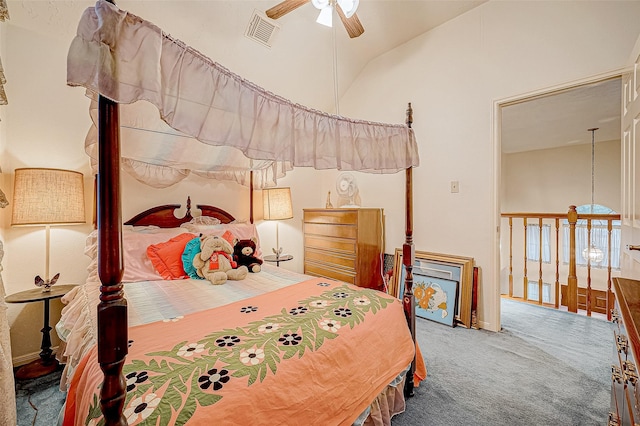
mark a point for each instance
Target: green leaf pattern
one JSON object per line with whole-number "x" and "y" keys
{"x": 192, "y": 373}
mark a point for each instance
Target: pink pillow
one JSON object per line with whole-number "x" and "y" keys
{"x": 137, "y": 266}
{"x": 166, "y": 257}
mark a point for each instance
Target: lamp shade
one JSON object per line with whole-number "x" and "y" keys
{"x": 277, "y": 203}
{"x": 48, "y": 197}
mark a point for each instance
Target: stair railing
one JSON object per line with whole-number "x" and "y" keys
{"x": 571, "y": 297}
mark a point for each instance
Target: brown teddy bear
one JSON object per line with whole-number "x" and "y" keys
{"x": 215, "y": 262}
{"x": 244, "y": 253}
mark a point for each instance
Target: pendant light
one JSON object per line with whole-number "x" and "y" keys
{"x": 593, "y": 254}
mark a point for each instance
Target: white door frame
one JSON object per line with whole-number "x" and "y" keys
{"x": 496, "y": 118}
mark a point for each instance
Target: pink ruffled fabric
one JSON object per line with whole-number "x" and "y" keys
{"x": 213, "y": 122}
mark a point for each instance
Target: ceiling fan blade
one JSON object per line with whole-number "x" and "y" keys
{"x": 352, "y": 25}
{"x": 284, "y": 7}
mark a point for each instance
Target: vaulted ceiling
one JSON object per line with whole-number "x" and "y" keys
{"x": 300, "y": 63}
{"x": 563, "y": 118}
{"x": 298, "y": 66}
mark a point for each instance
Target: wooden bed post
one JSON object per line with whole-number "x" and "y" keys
{"x": 408, "y": 256}
{"x": 112, "y": 309}
{"x": 251, "y": 196}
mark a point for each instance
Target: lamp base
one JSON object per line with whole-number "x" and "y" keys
{"x": 37, "y": 368}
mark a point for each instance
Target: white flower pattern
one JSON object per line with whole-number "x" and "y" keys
{"x": 330, "y": 325}
{"x": 140, "y": 408}
{"x": 269, "y": 327}
{"x": 190, "y": 349}
{"x": 252, "y": 356}
{"x": 362, "y": 301}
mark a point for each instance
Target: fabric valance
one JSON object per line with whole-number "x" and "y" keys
{"x": 208, "y": 120}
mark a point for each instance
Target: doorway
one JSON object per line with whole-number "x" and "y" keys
{"x": 543, "y": 156}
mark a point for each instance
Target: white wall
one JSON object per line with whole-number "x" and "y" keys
{"x": 3, "y": 137}
{"x": 44, "y": 126}
{"x": 550, "y": 180}
{"x": 454, "y": 75}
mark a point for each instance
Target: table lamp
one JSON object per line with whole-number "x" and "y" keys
{"x": 47, "y": 197}
{"x": 277, "y": 206}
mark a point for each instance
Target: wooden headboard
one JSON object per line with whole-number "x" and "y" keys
{"x": 164, "y": 216}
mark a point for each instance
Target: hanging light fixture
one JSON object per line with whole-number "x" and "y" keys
{"x": 325, "y": 17}
{"x": 593, "y": 254}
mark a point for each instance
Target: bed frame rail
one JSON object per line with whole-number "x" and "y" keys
{"x": 164, "y": 216}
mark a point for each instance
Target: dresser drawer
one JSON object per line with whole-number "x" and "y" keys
{"x": 331, "y": 217}
{"x": 320, "y": 270}
{"x": 329, "y": 230}
{"x": 331, "y": 244}
{"x": 331, "y": 259}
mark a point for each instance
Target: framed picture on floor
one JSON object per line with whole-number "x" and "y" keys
{"x": 436, "y": 298}
{"x": 442, "y": 266}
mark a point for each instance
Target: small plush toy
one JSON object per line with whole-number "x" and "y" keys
{"x": 215, "y": 262}
{"x": 244, "y": 253}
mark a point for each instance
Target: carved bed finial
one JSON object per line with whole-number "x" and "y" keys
{"x": 409, "y": 115}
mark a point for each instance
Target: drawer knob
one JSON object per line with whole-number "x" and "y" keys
{"x": 614, "y": 419}
{"x": 622, "y": 343}
{"x": 630, "y": 372}
{"x": 615, "y": 316}
{"x": 616, "y": 374}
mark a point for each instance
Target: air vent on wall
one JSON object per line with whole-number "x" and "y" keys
{"x": 261, "y": 28}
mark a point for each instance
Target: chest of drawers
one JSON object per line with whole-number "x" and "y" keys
{"x": 625, "y": 395}
{"x": 345, "y": 244}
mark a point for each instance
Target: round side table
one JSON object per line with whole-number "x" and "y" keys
{"x": 277, "y": 259}
{"x": 47, "y": 362}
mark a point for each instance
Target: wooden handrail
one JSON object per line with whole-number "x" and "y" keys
{"x": 536, "y": 215}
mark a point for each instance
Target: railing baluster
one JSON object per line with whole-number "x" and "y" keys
{"x": 610, "y": 298}
{"x": 526, "y": 280}
{"x": 572, "y": 280}
{"x": 540, "y": 262}
{"x": 588, "y": 295}
{"x": 510, "y": 257}
{"x": 557, "y": 292}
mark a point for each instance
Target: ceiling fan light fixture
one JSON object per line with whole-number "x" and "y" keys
{"x": 349, "y": 7}
{"x": 320, "y": 4}
{"x": 326, "y": 16}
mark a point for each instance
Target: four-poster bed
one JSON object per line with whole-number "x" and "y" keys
{"x": 122, "y": 59}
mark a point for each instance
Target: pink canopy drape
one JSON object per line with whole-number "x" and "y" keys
{"x": 204, "y": 119}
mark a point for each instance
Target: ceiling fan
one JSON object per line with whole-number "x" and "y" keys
{"x": 346, "y": 11}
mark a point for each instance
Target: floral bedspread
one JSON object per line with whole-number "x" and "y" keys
{"x": 317, "y": 352}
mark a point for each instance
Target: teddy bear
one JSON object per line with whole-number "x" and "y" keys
{"x": 244, "y": 253}
{"x": 215, "y": 261}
